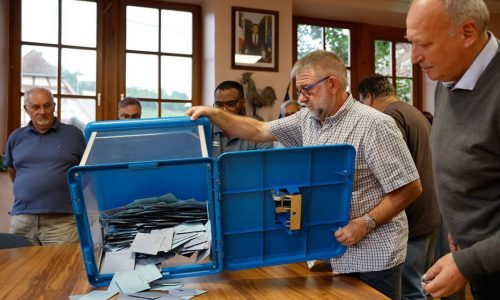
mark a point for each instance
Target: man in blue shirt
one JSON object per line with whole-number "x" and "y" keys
{"x": 38, "y": 157}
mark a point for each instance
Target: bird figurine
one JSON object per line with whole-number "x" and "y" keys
{"x": 256, "y": 100}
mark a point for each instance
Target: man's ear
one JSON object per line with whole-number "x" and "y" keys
{"x": 470, "y": 33}
{"x": 334, "y": 81}
{"x": 368, "y": 100}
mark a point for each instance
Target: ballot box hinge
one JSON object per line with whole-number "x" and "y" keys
{"x": 75, "y": 187}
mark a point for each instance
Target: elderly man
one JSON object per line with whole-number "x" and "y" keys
{"x": 38, "y": 157}
{"x": 129, "y": 108}
{"x": 229, "y": 96}
{"x": 385, "y": 181}
{"x": 452, "y": 45}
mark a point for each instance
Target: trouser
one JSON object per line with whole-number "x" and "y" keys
{"x": 442, "y": 248}
{"x": 388, "y": 282}
{"x": 419, "y": 258}
{"x": 486, "y": 287}
{"x": 44, "y": 229}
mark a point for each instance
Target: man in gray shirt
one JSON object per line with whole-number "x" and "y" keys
{"x": 453, "y": 46}
{"x": 229, "y": 96}
{"x": 423, "y": 214}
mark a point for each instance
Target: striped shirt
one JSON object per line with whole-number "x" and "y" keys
{"x": 383, "y": 164}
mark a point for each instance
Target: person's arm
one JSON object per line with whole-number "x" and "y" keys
{"x": 12, "y": 173}
{"x": 234, "y": 125}
{"x": 391, "y": 205}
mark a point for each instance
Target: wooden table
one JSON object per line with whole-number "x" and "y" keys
{"x": 56, "y": 272}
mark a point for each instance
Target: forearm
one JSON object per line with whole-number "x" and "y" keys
{"x": 234, "y": 125}
{"x": 395, "y": 202}
{"x": 392, "y": 204}
{"x": 481, "y": 258}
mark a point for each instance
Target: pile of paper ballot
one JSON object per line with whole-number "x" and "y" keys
{"x": 154, "y": 230}
{"x": 143, "y": 283}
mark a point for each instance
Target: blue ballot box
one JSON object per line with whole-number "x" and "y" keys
{"x": 264, "y": 207}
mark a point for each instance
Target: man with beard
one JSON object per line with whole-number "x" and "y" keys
{"x": 385, "y": 181}
{"x": 38, "y": 157}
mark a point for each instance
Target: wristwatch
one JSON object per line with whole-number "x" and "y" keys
{"x": 369, "y": 221}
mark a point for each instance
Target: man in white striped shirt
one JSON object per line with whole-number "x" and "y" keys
{"x": 385, "y": 181}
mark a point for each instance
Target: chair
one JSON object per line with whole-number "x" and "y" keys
{"x": 9, "y": 240}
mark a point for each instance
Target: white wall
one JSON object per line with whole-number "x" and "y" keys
{"x": 217, "y": 60}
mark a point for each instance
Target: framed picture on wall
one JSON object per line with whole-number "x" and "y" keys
{"x": 254, "y": 39}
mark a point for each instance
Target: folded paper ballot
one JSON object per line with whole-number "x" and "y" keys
{"x": 122, "y": 224}
{"x": 153, "y": 231}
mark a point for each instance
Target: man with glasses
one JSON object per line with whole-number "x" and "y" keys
{"x": 38, "y": 157}
{"x": 385, "y": 181}
{"x": 229, "y": 96}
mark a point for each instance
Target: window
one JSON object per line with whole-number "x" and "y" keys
{"x": 60, "y": 54}
{"x": 159, "y": 59}
{"x": 365, "y": 49}
{"x": 393, "y": 60}
{"x": 315, "y": 34}
{"x": 91, "y": 53}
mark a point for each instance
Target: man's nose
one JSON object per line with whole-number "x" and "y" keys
{"x": 416, "y": 55}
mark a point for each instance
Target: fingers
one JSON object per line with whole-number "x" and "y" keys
{"x": 443, "y": 278}
{"x": 342, "y": 236}
{"x": 196, "y": 111}
{"x": 350, "y": 234}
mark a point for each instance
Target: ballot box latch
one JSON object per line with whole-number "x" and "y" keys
{"x": 288, "y": 207}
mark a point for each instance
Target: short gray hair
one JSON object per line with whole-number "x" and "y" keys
{"x": 461, "y": 11}
{"x": 324, "y": 63}
{"x": 27, "y": 94}
{"x": 288, "y": 103}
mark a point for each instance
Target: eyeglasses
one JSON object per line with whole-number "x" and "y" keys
{"x": 231, "y": 104}
{"x": 306, "y": 91}
{"x": 36, "y": 107}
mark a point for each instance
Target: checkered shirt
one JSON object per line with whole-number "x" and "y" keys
{"x": 383, "y": 164}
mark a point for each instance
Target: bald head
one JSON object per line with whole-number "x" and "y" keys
{"x": 447, "y": 35}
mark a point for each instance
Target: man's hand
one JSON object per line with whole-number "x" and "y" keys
{"x": 197, "y": 111}
{"x": 443, "y": 278}
{"x": 353, "y": 232}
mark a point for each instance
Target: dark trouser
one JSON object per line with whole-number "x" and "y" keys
{"x": 486, "y": 287}
{"x": 388, "y": 282}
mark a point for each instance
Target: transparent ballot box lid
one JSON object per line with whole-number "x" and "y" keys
{"x": 244, "y": 210}
{"x": 146, "y": 140}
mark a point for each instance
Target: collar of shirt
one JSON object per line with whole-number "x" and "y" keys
{"x": 348, "y": 104}
{"x": 470, "y": 77}
{"x": 54, "y": 127}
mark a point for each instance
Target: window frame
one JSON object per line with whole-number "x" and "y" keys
{"x": 15, "y": 76}
{"x": 363, "y": 49}
{"x": 394, "y": 38}
{"x": 327, "y": 23}
{"x": 110, "y": 56}
{"x": 196, "y": 91}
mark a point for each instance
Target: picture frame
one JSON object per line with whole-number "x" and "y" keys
{"x": 254, "y": 39}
